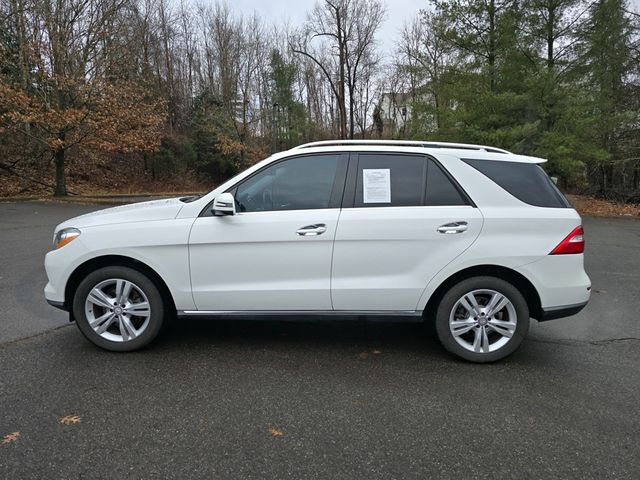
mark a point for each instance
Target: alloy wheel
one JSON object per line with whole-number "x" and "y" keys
{"x": 483, "y": 321}
{"x": 118, "y": 310}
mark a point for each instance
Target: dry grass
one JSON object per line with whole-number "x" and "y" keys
{"x": 597, "y": 207}
{"x": 91, "y": 178}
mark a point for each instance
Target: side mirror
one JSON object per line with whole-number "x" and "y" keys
{"x": 224, "y": 204}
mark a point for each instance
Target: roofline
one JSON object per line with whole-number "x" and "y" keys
{"x": 408, "y": 143}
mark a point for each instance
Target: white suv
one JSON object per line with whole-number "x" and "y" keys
{"x": 473, "y": 238}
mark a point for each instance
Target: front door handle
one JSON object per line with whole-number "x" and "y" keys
{"x": 453, "y": 227}
{"x": 312, "y": 230}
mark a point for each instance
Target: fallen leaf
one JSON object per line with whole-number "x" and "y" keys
{"x": 365, "y": 355}
{"x": 70, "y": 419}
{"x": 275, "y": 432}
{"x": 11, "y": 437}
{"x": 591, "y": 206}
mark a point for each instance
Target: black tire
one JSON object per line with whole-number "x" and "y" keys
{"x": 157, "y": 307}
{"x": 456, "y": 292}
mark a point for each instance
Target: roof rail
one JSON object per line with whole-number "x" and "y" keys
{"x": 406, "y": 143}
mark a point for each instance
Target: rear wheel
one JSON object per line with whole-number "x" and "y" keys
{"x": 118, "y": 308}
{"x": 482, "y": 319}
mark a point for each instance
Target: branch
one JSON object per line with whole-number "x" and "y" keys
{"x": 324, "y": 70}
{"x": 9, "y": 169}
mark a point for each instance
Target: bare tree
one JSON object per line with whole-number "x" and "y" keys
{"x": 363, "y": 20}
{"x": 346, "y": 29}
{"x": 424, "y": 57}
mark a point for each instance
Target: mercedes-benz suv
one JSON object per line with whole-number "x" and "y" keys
{"x": 472, "y": 238}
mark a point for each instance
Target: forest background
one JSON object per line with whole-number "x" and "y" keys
{"x": 159, "y": 95}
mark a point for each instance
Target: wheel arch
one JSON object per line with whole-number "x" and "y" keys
{"x": 95, "y": 263}
{"x": 515, "y": 278}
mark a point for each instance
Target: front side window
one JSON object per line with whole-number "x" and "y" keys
{"x": 300, "y": 183}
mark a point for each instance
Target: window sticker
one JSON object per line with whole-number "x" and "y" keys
{"x": 376, "y": 183}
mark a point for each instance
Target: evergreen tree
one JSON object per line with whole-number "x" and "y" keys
{"x": 288, "y": 116}
{"x": 610, "y": 61}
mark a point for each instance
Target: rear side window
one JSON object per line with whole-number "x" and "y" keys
{"x": 527, "y": 182}
{"x": 386, "y": 180}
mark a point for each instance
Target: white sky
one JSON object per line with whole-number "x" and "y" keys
{"x": 279, "y": 11}
{"x": 398, "y": 11}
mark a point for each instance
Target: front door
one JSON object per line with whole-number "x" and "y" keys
{"x": 275, "y": 252}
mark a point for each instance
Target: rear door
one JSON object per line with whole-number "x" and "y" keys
{"x": 403, "y": 220}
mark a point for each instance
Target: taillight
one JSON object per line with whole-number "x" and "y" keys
{"x": 573, "y": 243}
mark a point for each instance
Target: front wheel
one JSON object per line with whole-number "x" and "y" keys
{"x": 118, "y": 308}
{"x": 482, "y": 319}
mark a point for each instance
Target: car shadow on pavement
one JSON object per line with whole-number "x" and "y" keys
{"x": 338, "y": 337}
{"x": 348, "y": 333}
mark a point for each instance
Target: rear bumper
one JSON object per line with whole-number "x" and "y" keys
{"x": 561, "y": 312}
{"x": 561, "y": 282}
{"x": 57, "y": 304}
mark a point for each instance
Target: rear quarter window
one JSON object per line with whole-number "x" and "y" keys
{"x": 528, "y": 182}
{"x": 440, "y": 190}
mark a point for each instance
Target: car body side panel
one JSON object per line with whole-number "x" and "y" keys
{"x": 258, "y": 261}
{"x": 519, "y": 236}
{"x": 162, "y": 245}
{"x": 384, "y": 256}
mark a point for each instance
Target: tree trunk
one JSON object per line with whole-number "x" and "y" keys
{"x": 341, "y": 90}
{"x": 61, "y": 181}
{"x": 351, "y": 115}
{"x": 492, "y": 46}
{"x": 549, "y": 119}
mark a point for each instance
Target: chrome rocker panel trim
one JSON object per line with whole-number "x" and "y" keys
{"x": 293, "y": 313}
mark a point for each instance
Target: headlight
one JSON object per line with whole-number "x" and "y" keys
{"x": 64, "y": 236}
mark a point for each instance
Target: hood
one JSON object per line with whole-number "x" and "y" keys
{"x": 136, "y": 212}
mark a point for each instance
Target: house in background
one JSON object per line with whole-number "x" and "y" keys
{"x": 397, "y": 109}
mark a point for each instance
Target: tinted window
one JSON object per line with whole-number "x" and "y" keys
{"x": 527, "y": 182}
{"x": 297, "y": 184}
{"x": 389, "y": 180}
{"x": 440, "y": 189}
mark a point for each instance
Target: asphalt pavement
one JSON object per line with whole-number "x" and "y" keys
{"x": 316, "y": 399}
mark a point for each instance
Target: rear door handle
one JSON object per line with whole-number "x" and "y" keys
{"x": 312, "y": 230}
{"x": 453, "y": 227}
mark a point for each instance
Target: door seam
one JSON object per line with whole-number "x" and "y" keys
{"x": 333, "y": 248}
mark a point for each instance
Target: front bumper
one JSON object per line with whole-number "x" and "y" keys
{"x": 62, "y": 306}
{"x": 59, "y": 264}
